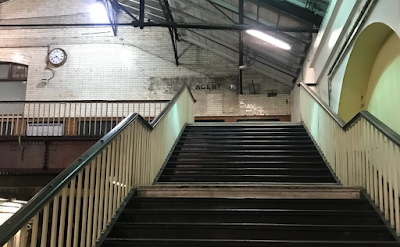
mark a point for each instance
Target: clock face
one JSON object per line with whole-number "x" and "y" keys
{"x": 57, "y": 57}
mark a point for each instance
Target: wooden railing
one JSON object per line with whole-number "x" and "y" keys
{"x": 363, "y": 152}
{"x": 71, "y": 118}
{"x": 79, "y": 206}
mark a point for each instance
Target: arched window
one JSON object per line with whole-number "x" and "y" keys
{"x": 13, "y": 72}
{"x": 13, "y": 78}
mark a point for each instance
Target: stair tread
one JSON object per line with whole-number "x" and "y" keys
{"x": 301, "y": 227}
{"x": 234, "y": 210}
{"x": 241, "y": 241}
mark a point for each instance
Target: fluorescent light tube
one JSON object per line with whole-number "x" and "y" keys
{"x": 269, "y": 39}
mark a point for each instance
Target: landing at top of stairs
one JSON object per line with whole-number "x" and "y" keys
{"x": 251, "y": 191}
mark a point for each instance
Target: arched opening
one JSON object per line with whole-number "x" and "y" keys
{"x": 13, "y": 79}
{"x": 362, "y": 61}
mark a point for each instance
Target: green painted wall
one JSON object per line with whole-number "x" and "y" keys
{"x": 383, "y": 94}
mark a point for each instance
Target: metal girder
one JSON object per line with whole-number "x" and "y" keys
{"x": 261, "y": 58}
{"x": 157, "y": 18}
{"x": 141, "y": 13}
{"x": 224, "y": 19}
{"x": 269, "y": 58}
{"x": 221, "y": 11}
{"x": 241, "y": 21}
{"x": 296, "y": 53}
{"x": 168, "y": 17}
{"x": 272, "y": 61}
{"x": 254, "y": 18}
{"x": 111, "y": 13}
{"x": 171, "y": 24}
{"x": 171, "y": 18}
{"x": 119, "y": 6}
{"x": 234, "y": 59}
{"x": 293, "y": 10}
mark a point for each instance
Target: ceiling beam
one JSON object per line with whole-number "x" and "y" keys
{"x": 294, "y": 10}
{"x": 296, "y": 53}
{"x": 254, "y": 18}
{"x": 235, "y": 10}
{"x": 272, "y": 59}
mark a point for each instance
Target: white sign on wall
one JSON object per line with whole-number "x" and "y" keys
{"x": 44, "y": 129}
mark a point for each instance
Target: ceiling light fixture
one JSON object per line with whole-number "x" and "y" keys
{"x": 98, "y": 12}
{"x": 269, "y": 39}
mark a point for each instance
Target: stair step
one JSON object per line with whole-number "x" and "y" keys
{"x": 247, "y": 203}
{"x": 150, "y": 242}
{"x": 223, "y": 158}
{"x": 239, "y": 146}
{"x": 244, "y": 142}
{"x": 247, "y": 178}
{"x": 247, "y": 152}
{"x": 244, "y": 133}
{"x": 246, "y": 164}
{"x": 249, "y": 137}
{"x": 250, "y": 191}
{"x": 276, "y": 216}
{"x": 255, "y": 231}
{"x": 246, "y": 171}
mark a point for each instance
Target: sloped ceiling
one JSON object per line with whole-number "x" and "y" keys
{"x": 281, "y": 65}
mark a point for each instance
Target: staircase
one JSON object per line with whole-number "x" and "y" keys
{"x": 248, "y": 185}
{"x": 279, "y": 153}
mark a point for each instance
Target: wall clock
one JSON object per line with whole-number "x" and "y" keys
{"x": 57, "y": 57}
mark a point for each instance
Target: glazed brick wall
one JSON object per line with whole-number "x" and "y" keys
{"x": 137, "y": 64}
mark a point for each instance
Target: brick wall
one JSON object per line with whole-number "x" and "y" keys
{"x": 137, "y": 64}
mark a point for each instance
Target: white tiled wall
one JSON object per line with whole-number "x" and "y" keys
{"x": 137, "y": 64}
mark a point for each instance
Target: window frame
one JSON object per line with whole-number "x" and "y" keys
{"x": 10, "y": 67}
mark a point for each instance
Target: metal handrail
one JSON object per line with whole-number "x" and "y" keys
{"x": 169, "y": 106}
{"x": 21, "y": 217}
{"x": 379, "y": 125}
{"x": 84, "y": 101}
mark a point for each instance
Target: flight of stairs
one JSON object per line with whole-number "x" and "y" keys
{"x": 278, "y": 153}
{"x": 248, "y": 186}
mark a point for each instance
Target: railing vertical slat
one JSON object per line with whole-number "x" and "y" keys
{"x": 85, "y": 206}
{"x": 70, "y": 212}
{"x": 390, "y": 178}
{"x": 35, "y": 228}
{"x": 386, "y": 156}
{"x": 107, "y": 187}
{"x": 54, "y": 221}
{"x": 45, "y": 226}
{"x": 23, "y": 236}
{"x": 116, "y": 174}
{"x": 96, "y": 199}
{"x": 396, "y": 189}
{"x": 92, "y": 183}
{"x": 63, "y": 213}
{"x": 120, "y": 168}
{"x": 112, "y": 188}
{"x": 102, "y": 192}
{"x": 78, "y": 209}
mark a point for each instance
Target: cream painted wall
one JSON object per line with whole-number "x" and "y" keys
{"x": 359, "y": 67}
{"x": 383, "y": 94}
{"x": 385, "y": 11}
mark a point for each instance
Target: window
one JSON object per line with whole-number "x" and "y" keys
{"x": 13, "y": 72}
